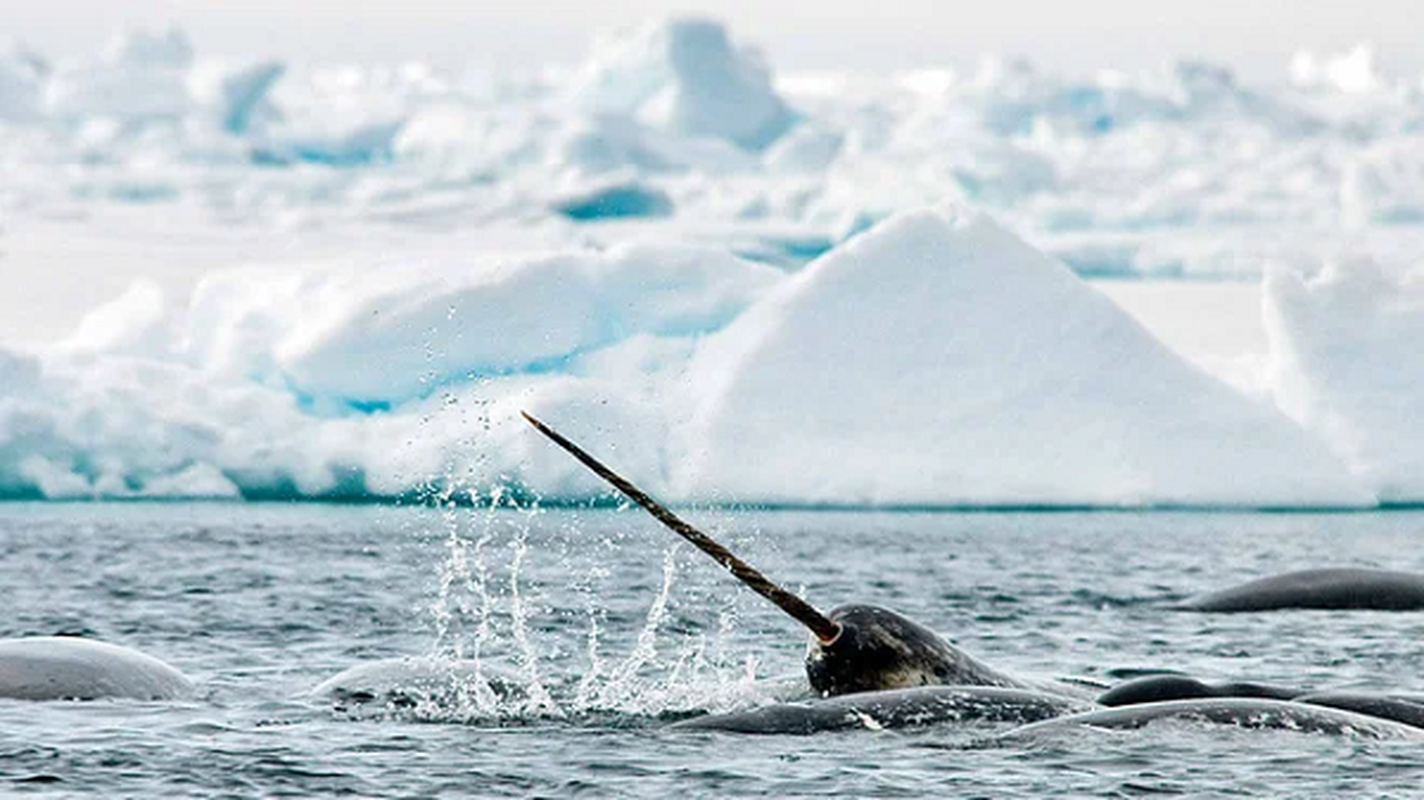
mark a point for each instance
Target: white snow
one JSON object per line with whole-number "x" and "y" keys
{"x": 939, "y": 359}
{"x": 359, "y": 377}
{"x": 1184, "y": 171}
{"x": 684, "y": 76}
{"x": 381, "y": 333}
{"x": 1353, "y": 72}
{"x": 936, "y": 359}
{"x": 236, "y": 96}
{"x": 240, "y": 276}
{"x": 135, "y": 322}
{"x": 1347, "y": 348}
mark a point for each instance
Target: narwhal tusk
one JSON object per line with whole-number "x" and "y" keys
{"x": 799, "y": 609}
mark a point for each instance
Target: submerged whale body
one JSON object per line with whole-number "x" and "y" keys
{"x": 410, "y": 682}
{"x": 67, "y": 668}
{"x": 894, "y": 708}
{"x": 1172, "y": 686}
{"x": 1404, "y": 708}
{"x": 1130, "y": 705}
{"x": 1340, "y": 588}
{"x": 1248, "y": 713}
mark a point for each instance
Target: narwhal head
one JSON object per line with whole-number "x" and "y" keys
{"x": 858, "y": 648}
{"x": 879, "y": 649}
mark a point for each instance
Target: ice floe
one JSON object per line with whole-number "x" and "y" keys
{"x": 1184, "y": 171}
{"x": 936, "y": 359}
{"x": 877, "y": 353}
{"x": 939, "y": 359}
{"x": 685, "y": 76}
{"x": 1347, "y": 363}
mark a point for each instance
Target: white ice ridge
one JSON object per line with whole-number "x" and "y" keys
{"x": 936, "y": 359}
{"x": 680, "y": 124}
{"x": 358, "y": 377}
{"x": 683, "y": 75}
{"x": 370, "y": 334}
{"x": 1347, "y": 349}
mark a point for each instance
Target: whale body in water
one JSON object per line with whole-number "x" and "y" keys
{"x": 1336, "y": 588}
{"x": 403, "y": 683}
{"x": 894, "y": 708}
{"x": 873, "y": 668}
{"x": 69, "y": 668}
{"x": 1250, "y": 713}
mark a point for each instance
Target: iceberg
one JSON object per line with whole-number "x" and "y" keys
{"x": 376, "y": 335}
{"x": 1346, "y": 362}
{"x": 684, "y": 76}
{"x": 578, "y": 243}
{"x": 1183, "y": 172}
{"x": 938, "y": 359}
{"x": 136, "y": 322}
{"x": 935, "y": 359}
{"x": 357, "y": 378}
{"x": 236, "y": 96}
{"x": 604, "y": 144}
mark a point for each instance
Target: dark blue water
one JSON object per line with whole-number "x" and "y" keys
{"x": 614, "y": 631}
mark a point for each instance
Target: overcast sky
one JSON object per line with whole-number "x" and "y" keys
{"x": 1255, "y": 36}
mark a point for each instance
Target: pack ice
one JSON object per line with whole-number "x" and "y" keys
{"x": 1178, "y": 171}
{"x": 936, "y": 359}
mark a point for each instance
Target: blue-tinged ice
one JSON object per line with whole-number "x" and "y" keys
{"x": 1346, "y": 362}
{"x": 938, "y": 359}
{"x": 685, "y": 76}
{"x": 347, "y": 279}
{"x": 615, "y": 201}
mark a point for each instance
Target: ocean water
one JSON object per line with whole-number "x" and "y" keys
{"x": 612, "y": 630}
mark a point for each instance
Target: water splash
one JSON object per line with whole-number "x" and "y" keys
{"x": 538, "y": 697}
{"x": 504, "y": 653}
{"x": 621, "y": 683}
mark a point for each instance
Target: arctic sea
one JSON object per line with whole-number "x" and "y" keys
{"x": 234, "y": 282}
{"x": 616, "y": 631}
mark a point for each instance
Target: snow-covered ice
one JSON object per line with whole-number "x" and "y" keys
{"x": 939, "y": 359}
{"x": 380, "y": 333}
{"x": 1182, "y": 171}
{"x": 345, "y": 280}
{"x": 1347, "y": 348}
{"x": 684, "y": 76}
{"x": 936, "y": 359}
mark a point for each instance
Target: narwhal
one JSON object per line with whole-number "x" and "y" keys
{"x": 69, "y": 668}
{"x": 1336, "y": 588}
{"x": 873, "y": 667}
{"x": 855, "y": 648}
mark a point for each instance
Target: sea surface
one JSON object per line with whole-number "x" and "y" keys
{"x": 612, "y": 631}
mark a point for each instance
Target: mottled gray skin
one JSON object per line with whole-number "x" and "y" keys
{"x": 1408, "y": 709}
{"x": 1403, "y": 708}
{"x": 67, "y": 668}
{"x": 411, "y": 682}
{"x": 878, "y": 649}
{"x": 1248, "y": 713}
{"x": 1336, "y": 588}
{"x": 1157, "y": 688}
{"x": 894, "y": 708}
